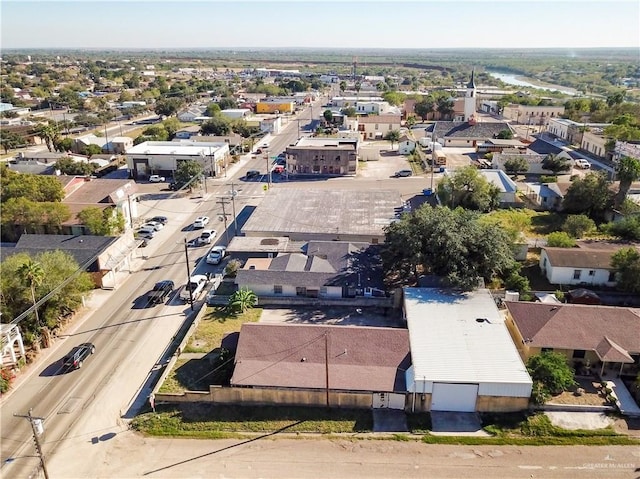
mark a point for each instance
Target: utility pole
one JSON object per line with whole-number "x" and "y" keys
{"x": 233, "y": 206}
{"x": 326, "y": 362}
{"x": 38, "y": 430}
{"x": 186, "y": 253}
{"x": 266, "y": 156}
{"x": 130, "y": 212}
{"x": 223, "y": 202}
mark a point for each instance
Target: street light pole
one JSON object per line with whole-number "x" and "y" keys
{"x": 186, "y": 254}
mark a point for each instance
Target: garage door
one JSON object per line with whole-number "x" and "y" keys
{"x": 454, "y": 397}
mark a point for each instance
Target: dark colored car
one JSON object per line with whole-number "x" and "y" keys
{"x": 252, "y": 174}
{"x": 161, "y": 291}
{"x": 77, "y": 355}
{"x": 158, "y": 219}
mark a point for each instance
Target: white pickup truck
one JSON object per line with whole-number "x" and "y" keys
{"x": 196, "y": 284}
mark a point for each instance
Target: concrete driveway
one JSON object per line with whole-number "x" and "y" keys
{"x": 445, "y": 423}
{"x": 389, "y": 420}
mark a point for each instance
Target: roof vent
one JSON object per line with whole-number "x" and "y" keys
{"x": 483, "y": 320}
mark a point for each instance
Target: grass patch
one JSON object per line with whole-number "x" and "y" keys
{"x": 545, "y": 222}
{"x": 188, "y": 375}
{"x": 215, "y": 324}
{"x": 203, "y": 420}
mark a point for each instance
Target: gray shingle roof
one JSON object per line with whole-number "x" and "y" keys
{"x": 463, "y": 129}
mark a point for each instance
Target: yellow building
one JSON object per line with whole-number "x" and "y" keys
{"x": 273, "y": 107}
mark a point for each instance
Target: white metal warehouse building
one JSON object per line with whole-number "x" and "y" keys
{"x": 463, "y": 358}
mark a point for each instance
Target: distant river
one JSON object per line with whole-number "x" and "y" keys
{"x": 512, "y": 79}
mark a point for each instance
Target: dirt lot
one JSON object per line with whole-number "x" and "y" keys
{"x": 334, "y": 315}
{"x": 591, "y": 397}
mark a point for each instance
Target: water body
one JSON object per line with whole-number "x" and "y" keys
{"x": 512, "y": 79}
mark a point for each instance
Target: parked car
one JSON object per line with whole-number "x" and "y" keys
{"x": 196, "y": 285}
{"x": 401, "y": 173}
{"x": 154, "y": 224}
{"x": 207, "y": 236}
{"x": 201, "y": 222}
{"x": 252, "y": 174}
{"x": 216, "y": 254}
{"x": 77, "y": 355}
{"x": 158, "y": 219}
{"x": 147, "y": 230}
{"x": 156, "y": 179}
{"x": 582, "y": 163}
{"x": 160, "y": 291}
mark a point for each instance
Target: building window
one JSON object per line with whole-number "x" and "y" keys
{"x": 592, "y": 272}
{"x": 546, "y": 350}
{"x": 277, "y": 289}
{"x": 338, "y": 158}
{"x": 577, "y": 273}
{"x": 376, "y": 127}
{"x": 323, "y": 290}
{"x": 578, "y": 353}
{"x": 544, "y": 261}
{"x": 612, "y": 277}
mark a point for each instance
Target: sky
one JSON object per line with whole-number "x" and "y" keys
{"x": 347, "y": 24}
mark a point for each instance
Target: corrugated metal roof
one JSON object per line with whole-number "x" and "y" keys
{"x": 449, "y": 344}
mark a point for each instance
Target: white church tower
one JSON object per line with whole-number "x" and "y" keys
{"x": 470, "y": 99}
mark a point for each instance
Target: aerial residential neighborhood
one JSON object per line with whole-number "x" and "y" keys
{"x": 371, "y": 249}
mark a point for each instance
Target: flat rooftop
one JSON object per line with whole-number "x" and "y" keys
{"x": 308, "y": 211}
{"x": 188, "y": 148}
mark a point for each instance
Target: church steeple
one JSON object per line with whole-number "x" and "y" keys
{"x": 472, "y": 83}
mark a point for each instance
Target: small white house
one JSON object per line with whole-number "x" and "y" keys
{"x": 236, "y": 113}
{"x": 587, "y": 265}
{"x": 506, "y": 185}
{"x": 406, "y": 145}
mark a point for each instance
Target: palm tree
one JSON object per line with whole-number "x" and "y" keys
{"x": 242, "y": 300}
{"x": 32, "y": 273}
{"x": 48, "y": 133}
{"x": 628, "y": 171}
{"x": 393, "y": 136}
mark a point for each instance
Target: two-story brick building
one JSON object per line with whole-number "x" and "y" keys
{"x": 323, "y": 156}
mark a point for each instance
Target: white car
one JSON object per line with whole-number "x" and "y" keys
{"x": 207, "y": 236}
{"x": 156, "y": 179}
{"x": 582, "y": 163}
{"x": 201, "y": 222}
{"x": 154, "y": 224}
{"x": 216, "y": 254}
{"x": 196, "y": 284}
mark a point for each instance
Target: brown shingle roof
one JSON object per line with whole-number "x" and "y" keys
{"x": 579, "y": 258}
{"x": 572, "y": 326}
{"x": 293, "y": 356}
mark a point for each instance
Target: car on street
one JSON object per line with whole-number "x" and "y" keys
{"x": 207, "y": 236}
{"x": 196, "y": 284}
{"x": 201, "y": 222}
{"x": 401, "y": 173}
{"x": 160, "y": 291}
{"x": 148, "y": 231}
{"x": 156, "y": 179}
{"x": 154, "y": 224}
{"x": 252, "y": 174}
{"x": 216, "y": 254}
{"x": 78, "y": 355}
{"x": 158, "y": 219}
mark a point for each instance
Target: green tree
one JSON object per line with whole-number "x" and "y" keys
{"x": 467, "y": 188}
{"x": 349, "y": 111}
{"x": 516, "y": 165}
{"x": 32, "y": 274}
{"x": 627, "y": 262}
{"x": 92, "y": 149}
{"x": 48, "y": 133}
{"x": 393, "y": 136}
{"x": 589, "y": 195}
{"x": 38, "y": 188}
{"x": 560, "y": 239}
{"x": 68, "y": 166}
{"x": 627, "y": 171}
{"x": 171, "y": 126}
{"x": 64, "y": 144}
{"x": 394, "y": 97}
{"x": 168, "y": 106}
{"x": 11, "y": 140}
{"x": 188, "y": 171}
{"x": 578, "y": 225}
{"x": 227, "y": 103}
{"x": 627, "y": 228}
{"x": 555, "y": 164}
{"x": 328, "y": 116}
{"x": 213, "y": 109}
{"x": 242, "y": 300}
{"x": 102, "y": 222}
{"x": 343, "y": 86}
{"x": 453, "y": 244}
{"x": 552, "y": 371}
{"x": 505, "y": 134}
{"x": 57, "y": 267}
{"x": 216, "y": 126}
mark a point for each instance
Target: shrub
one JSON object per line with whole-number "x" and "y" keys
{"x": 559, "y": 295}
{"x": 5, "y": 380}
{"x": 577, "y": 226}
{"x": 232, "y": 267}
{"x": 517, "y": 282}
{"x": 560, "y": 239}
{"x": 548, "y": 179}
{"x": 539, "y": 394}
{"x": 552, "y": 371}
